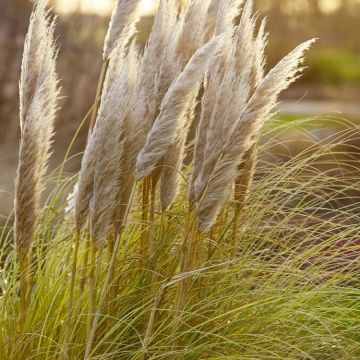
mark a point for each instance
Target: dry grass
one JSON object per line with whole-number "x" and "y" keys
{"x": 205, "y": 263}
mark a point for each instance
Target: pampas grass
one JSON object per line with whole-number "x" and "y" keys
{"x": 39, "y": 93}
{"x": 38, "y": 104}
{"x": 171, "y": 118}
{"x": 174, "y": 260}
{"x": 243, "y": 132}
{"x": 122, "y": 25}
{"x": 108, "y": 169}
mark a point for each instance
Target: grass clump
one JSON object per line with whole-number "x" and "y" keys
{"x": 151, "y": 258}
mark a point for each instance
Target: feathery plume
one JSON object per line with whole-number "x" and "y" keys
{"x": 200, "y": 136}
{"x": 258, "y": 58}
{"x": 39, "y": 94}
{"x": 245, "y": 37}
{"x": 208, "y": 104}
{"x": 122, "y": 25}
{"x": 247, "y": 168}
{"x": 109, "y": 170}
{"x": 86, "y": 175}
{"x": 172, "y": 163}
{"x": 154, "y": 78}
{"x": 151, "y": 86}
{"x": 171, "y": 118}
{"x": 220, "y": 16}
{"x": 248, "y": 125}
{"x": 189, "y": 41}
{"x": 230, "y": 80}
{"x": 232, "y": 92}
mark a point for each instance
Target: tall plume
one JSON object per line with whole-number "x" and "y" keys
{"x": 249, "y": 124}
{"x": 39, "y": 92}
{"x": 247, "y": 168}
{"x": 228, "y": 90}
{"x": 171, "y": 165}
{"x": 86, "y": 176}
{"x": 229, "y": 87}
{"x": 220, "y": 16}
{"x": 154, "y": 78}
{"x": 217, "y": 20}
{"x": 122, "y": 25}
{"x": 151, "y": 86}
{"x": 109, "y": 170}
{"x": 203, "y": 17}
{"x": 171, "y": 118}
{"x": 258, "y": 58}
{"x": 193, "y": 17}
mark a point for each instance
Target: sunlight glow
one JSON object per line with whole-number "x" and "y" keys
{"x": 148, "y": 7}
{"x": 329, "y": 6}
{"x": 101, "y": 7}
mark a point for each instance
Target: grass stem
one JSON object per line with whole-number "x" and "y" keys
{"x": 144, "y": 241}
{"x": 71, "y": 294}
{"x": 98, "y": 94}
{"x": 23, "y": 291}
{"x": 85, "y": 263}
{"x": 92, "y": 288}
{"x": 104, "y": 289}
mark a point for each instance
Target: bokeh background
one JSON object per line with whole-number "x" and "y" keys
{"x": 331, "y": 85}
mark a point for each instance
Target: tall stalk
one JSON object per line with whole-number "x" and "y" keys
{"x": 23, "y": 262}
{"x": 99, "y": 90}
{"x": 144, "y": 240}
{"x": 71, "y": 294}
{"x": 188, "y": 263}
{"x": 152, "y": 226}
{"x": 112, "y": 290}
{"x": 92, "y": 289}
{"x": 104, "y": 289}
{"x": 192, "y": 236}
{"x": 85, "y": 263}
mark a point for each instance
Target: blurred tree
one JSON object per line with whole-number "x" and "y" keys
{"x": 14, "y": 17}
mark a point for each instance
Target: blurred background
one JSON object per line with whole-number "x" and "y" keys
{"x": 331, "y": 85}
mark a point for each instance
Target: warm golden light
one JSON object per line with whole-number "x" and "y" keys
{"x": 329, "y": 6}
{"x": 93, "y": 6}
{"x": 148, "y": 7}
{"x": 101, "y": 7}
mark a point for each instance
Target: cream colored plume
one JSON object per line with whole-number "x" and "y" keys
{"x": 122, "y": 25}
{"x": 231, "y": 89}
{"x": 228, "y": 90}
{"x": 39, "y": 94}
{"x": 171, "y": 165}
{"x": 220, "y": 16}
{"x": 258, "y": 58}
{"x": 109, "y": 170}
{"x": 207, "y": 107}
{"x": 86, "y": 176}
{"x": 245, "y": 176}
{"x": 248, "y": 126}
{"x": 196, "y": 15}
{"x": 153, "y": 80}
{"x": 212, "y": 84}
{"x": 192, "y": 35}
{"x": 246, "y": 170}
{"x": 171, "y": 118}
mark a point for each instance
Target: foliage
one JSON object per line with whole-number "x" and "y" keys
{"x": 285, "y": 285}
